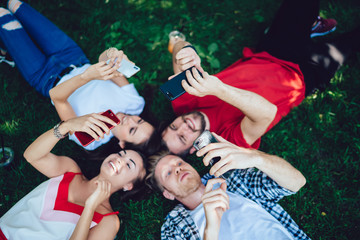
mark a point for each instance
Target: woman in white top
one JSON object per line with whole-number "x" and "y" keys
{"x": 56, "y": 67}
{"x": 69, "y": 206}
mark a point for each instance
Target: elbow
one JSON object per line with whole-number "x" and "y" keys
{"x": 26, "y": 155}
{"x": 270, "y": 116}
{"x": 52, "y": 94}
{"x": 301, "y": 181}
{"x": 273, "y": 112}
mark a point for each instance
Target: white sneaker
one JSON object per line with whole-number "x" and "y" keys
{"x": 10, "y": 62}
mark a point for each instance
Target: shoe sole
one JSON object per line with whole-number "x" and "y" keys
{"x": 322, "y": 34}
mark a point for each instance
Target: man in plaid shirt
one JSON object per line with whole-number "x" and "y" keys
{"x": 242, "y": 206}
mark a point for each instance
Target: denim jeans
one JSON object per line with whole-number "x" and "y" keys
{"x": 40, "y": 50}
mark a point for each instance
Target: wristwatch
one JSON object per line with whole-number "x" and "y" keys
{"x": 57, "y": 132}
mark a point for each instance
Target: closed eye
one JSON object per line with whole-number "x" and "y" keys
{"x": 182, "y": 139}
{"x": 133, "y": 130}
{"x": 140, "y": 121}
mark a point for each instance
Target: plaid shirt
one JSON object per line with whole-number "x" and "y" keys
{"x": 254, "y": 185}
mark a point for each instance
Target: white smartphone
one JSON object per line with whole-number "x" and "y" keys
{"x": 127, "y": 68}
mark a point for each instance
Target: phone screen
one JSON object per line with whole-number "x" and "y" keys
{"x": 172, "y": 89}
{"x": 85, "y": 139}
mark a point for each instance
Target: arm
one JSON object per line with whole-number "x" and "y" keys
{"x": 215, "y": 203}
{"x": 259, "y": 112}
{"x": 61, "y": 92}
{"x": 234, "y": 157}
{"x": 107, "y": 228}
{"x": 38, "y": 153}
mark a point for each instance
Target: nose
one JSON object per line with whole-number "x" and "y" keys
{"x": 183, "y": 128}
{"x": 133, "y": 119}
{"x": 177, "y": 170}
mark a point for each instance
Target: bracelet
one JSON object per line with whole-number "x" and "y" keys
{"x": 191, "y": 46}
{"x": 57, "y": 133}
{"x": 110, "y": 50}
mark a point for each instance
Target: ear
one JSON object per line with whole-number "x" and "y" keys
{"x": 168, "y": 195}
{"x": 192, "y": 150}
{"x": 122, "y": 144}
{"x": 128, "y": 187}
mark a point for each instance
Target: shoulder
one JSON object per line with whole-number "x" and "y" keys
{"x": 112, "y": 220}
{"x": 110, "y": 223}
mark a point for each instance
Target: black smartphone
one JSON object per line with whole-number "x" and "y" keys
{"x": 203, "y": 140}
{"x": 172, "y": 89}
{"x": 85, "y": 139}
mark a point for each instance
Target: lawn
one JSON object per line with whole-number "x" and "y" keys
{"x": 320, "y": 137}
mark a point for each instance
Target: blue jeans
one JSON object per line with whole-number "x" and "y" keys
{"x": 40, "y": 50}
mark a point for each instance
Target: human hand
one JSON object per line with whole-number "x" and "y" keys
{"x": 232, "y": 156}
{"x": 93, "y": 124}
{"x": 101, "y": 193}
{"x": 215, "y": 203}
{"x": 201, "y": 86}
{"x": 101, "y": 71}
{"x": 186, "y": 58}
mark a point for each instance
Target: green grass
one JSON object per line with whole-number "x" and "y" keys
{"x": 320, "y": 137}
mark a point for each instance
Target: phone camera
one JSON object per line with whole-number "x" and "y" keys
{"x": 169, "y": 94}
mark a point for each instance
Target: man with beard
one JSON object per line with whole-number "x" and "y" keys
{"x": 244, "y": 206}
{"x": 244, "y": 101}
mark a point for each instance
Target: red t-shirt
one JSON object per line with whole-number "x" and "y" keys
{"x": 280, "y": 82}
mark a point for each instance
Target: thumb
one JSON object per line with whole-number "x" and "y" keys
{"x": 223, "y": 186}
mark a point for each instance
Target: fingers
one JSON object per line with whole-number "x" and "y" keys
{"x": 95, "y": 128}
{"x": 220, "y": 168}
{"x": 195, "y": 83}
{"x": 218, "y": 137}
{"x": 107, "y": 69}
{"x": 194, "y": 78}
{"x": 210, "y": 184}
{"x": 107, "y": 119}
{"x": 171, "y": 77}
{"x": 217, "y": 198}
{"x": 103, "y": 190}
{"x": 103, "y": 186}
{"x": 186, "y": 58}
{"x": 94, "y": 125}
{"x": 210, "y": 147}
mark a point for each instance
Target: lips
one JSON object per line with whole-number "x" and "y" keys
{"x": 182, "y": 177}
{"x": 113, "y": 166}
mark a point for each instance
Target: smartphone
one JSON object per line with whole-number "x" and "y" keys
{"x": 203, "y": 140}
{"x": 85, "y": 139}
{"x": 172, "y": 89}
{"x": 128, "y": 69}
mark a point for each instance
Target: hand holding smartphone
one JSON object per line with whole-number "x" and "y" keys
{"x": 127, "y": 68}
{"x": 173, "y": 89}
{"x": 85, "y": 139}
{"x": 202, "y": 141}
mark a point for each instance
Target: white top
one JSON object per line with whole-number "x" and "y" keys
{"x": 35, "y": 216}
{"x": 244, "y": 220}
{"x": 99, "y": 96}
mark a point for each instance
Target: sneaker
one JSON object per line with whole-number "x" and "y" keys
{"x": 323, "y": 27}
{"x": 7, "y": 59}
